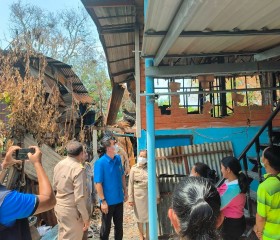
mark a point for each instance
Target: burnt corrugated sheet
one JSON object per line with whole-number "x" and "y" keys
{"x": 49, "y": 159}
{"x": 175, "y": 163}
{"x": 73, "y": 83}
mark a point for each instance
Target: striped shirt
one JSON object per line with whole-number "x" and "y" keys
{"x": 268, "y": 197}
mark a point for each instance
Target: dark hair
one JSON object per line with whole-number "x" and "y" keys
{"x": 104, "y": 143}
{"x": 74, "y": 148}
{"x": 196, "y": 202}
{"x": 234, "y": 165}
{"x": 205, "y": 171}
{"x": 272, "y": 154}
{"x": 142, "y": 150}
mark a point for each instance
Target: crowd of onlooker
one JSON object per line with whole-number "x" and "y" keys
{"x": 199, "y": 209}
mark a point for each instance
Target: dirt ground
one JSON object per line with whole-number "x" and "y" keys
{"x": 130, "y": 229}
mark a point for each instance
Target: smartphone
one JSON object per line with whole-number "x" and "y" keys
{"x": 21, "y": 154}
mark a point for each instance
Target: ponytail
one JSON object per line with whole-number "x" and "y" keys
{"x": 234, "y": 165}
{"x": 205, "y": 171}
{"x": 196, "y": 202}
{"x": 200, "y": 218}
{"x": 211, "y": 175}
{"x": 243, "y": 182}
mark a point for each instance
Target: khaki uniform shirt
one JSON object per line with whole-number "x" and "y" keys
{"x": 69, "y": 182}
{"x": 138, "y": 191}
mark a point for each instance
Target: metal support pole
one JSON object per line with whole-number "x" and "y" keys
{"x": 137, "y": 88}
{"x": 137, "y": 84}
{"x": 150, "y": 123}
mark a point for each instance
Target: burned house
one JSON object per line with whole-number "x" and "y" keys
{"x": 73, "y": 114}
{"x": 205, "y": 79}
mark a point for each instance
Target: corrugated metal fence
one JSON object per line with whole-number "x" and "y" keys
{"x": 175, "y": 163}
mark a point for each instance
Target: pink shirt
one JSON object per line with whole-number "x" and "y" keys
{"x": 232, "y": 201}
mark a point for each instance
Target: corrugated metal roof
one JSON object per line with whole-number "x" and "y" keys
{"x": 226, "y": 15}
{"x": 116, "y": 22}
{"x": 116, "y": 26}
{"x": 73, "y": 82}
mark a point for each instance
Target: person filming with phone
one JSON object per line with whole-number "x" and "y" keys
{"x": 16, "y": 206}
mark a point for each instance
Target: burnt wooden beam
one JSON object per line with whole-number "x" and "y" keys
{"x": 114, "y": 104}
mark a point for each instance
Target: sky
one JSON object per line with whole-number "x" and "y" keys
{"x": 50, "y": 5}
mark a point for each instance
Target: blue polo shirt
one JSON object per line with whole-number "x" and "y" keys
{"x": 17, "y": 206}
{"x": 109, "y": 172}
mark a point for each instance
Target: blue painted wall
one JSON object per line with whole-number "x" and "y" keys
{"x": 239, "y": 136}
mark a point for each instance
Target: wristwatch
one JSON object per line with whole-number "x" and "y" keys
{"x": 102, "y": 200}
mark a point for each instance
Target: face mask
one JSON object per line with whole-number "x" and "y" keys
{"x": 262, "y": 164}
{"x": 191, "y": 175}
{"x": 141, "y": 160}
{"x": 116, "y": 147}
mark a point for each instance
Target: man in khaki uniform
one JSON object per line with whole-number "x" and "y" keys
{"x": 138, "y": 193}
{"x": 71, "y": 194}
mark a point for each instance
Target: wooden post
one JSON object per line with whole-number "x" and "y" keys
{"x": 94, "y": 145}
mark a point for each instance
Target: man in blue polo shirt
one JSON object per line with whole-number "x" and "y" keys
{"x": 110, "y": 185}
